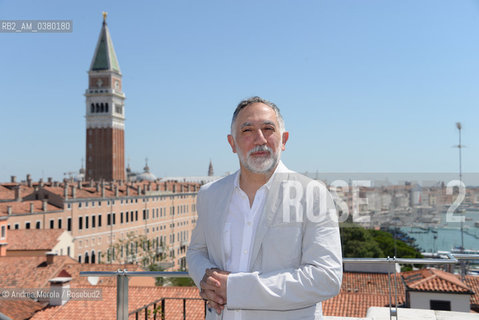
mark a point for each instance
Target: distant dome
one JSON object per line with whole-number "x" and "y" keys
{"x": 79, "y": 177}
{"x": 146, "y": 175}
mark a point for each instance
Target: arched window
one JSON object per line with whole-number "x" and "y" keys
{"x": 97, "y": 107}
{"x": 87, "y": 259}
{"x": 93, "y": 256}
{"x": 102, "y": 107}
{"x": 106, "y": 107}
{"x": 92, "y": 110}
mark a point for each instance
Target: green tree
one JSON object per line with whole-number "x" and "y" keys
{"x": 385, "y": 241}
{"x": 135, "y": 248}
{"x": 138, "y": 249}
{"x": 357, "y": 242}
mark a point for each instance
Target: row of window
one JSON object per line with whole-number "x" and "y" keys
{"x": 98, "y": 107}
{"x": 181, "y": 236}
{"x": 94, "y": 221}
{"x": 86, "y": 204}
{"x": 92, "y": 259}
{"x": 130, "y": 251}
{"x": 126, "y": 217}
{"x": 38, "y": 224}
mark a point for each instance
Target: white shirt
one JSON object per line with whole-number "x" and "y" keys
{"x": 240, "y": 227}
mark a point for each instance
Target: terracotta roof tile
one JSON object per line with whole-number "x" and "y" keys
{"x": 87, "y": 191}
{"x": 24, "y": 189}
{"x": 23, "y": 207}
{"x": 20, "y": 309}
{"x": 6, "y": 194}
{"x": 473, "y": 283}
{"x": 434, "y": 280}
{"x": 79, "y": 193}
{"x": 353, "y": 304}
{"x": 359, "y": 291}
{"x": 33, "y": 239}
{"x": 30, "y": 272}
{"x": 138, "y": 297}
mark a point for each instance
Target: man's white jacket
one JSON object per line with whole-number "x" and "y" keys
{"x": 295, "y": 261}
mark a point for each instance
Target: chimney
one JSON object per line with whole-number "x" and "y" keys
{"x": 65, "y": 191}
{"x": 18, "y": 193}
{"x": 29, "y": 180}
{"x": 59, "y": 288}
{"x": 103, "y": 191}
{"x": 44, "y": 205}
{"x": 31, "y": 207}
{"x": 97, "y": 187}
{"x": 13, "y": 179}
{"x": 91, "y": 183}
{"x": 127, "y": 190}
{"x": 79, "y": 184}
{"x": 74, "y": 192}
{"x": 50, "y": 180}
{"x": 116, "y": 191}
{"x": 40, "y": 182}
{"x": 9, "y": 210}
{"x": 50, "y": 257}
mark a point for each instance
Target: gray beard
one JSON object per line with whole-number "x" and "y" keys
{"x": 260, "y": 165}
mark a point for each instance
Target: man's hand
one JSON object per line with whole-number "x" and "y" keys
{"x": 213, "y": 288}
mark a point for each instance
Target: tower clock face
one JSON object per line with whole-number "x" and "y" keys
{"x": 117, "y": 84}
{"x": 99, "y": 83}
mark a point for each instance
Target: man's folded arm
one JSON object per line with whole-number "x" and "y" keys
{"x": 318, "y": 278}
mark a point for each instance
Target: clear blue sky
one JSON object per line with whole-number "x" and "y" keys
{"x": 369, "y": 85}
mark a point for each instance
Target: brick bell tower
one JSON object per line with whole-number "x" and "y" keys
{"x": 105, "y": 113}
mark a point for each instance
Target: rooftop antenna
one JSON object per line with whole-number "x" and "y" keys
{"x": 460, "y": 146}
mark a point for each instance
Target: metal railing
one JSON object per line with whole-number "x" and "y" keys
{"x": 161, "y": 312}
{"x": 124, "y": 275}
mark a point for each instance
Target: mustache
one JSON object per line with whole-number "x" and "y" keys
{"x": 262, "y": 148}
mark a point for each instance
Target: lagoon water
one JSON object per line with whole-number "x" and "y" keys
{"x": 448, "y": 234}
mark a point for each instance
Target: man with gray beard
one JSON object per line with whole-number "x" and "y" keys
{"x": 266, "y": 243}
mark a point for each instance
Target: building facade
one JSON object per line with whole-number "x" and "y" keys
{"x": 100, "y": 216}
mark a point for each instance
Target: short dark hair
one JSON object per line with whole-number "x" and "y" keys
{"x": 246, "y": 102}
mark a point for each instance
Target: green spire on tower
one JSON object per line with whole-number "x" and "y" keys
{"x": 105, "y": 56}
